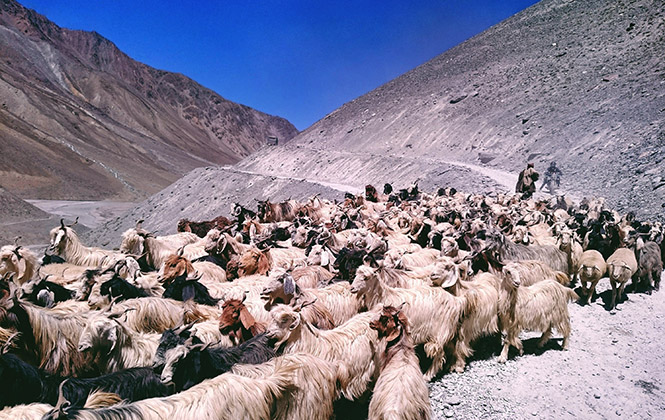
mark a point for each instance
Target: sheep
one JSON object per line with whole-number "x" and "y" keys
{"x": 433, "y": 312}
{"x": 401, "y": 391}
{"x": 21, "y": 383}
{"x": 66, "y": 243}
{"x": 188, "y": 364}
{"x": 650, "y": 265}
{"x": 116, "y": 346}
{"x": 621, "y": 266}
{"x": 12, "y": 258}
{"x": 351, "y": 346}
{"x": 540, "y": 307}
{"x": 228, "y": 396}
{"x": 315, "y": 387}
{"x": 592, "y": 268}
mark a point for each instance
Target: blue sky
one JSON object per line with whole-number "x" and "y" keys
{"x": 297, "y": 59}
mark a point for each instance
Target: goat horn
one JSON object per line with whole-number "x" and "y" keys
{"x": 62, "y": 403}
{"x": 62, "y": 224}
{"x": 116, "y": 315}
{"x": 180, "y": 251}
{"x": 139, "y": 223}
{"x": 75, "y": 222}
{"x": 18, "y": 238}
{"x": 8, "y": 344}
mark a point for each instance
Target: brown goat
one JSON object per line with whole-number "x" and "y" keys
{"x": 254, "y": 261}
{"x": 237, "y": 322}
{"x": 202, "y": 228}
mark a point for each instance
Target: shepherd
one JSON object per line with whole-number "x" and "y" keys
{"x": 526, "y": 182}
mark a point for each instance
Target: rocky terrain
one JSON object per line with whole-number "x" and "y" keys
{"x": 79, "y": 119}
{"x": 578, "y": 82}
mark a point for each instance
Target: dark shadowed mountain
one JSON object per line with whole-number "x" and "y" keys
{"x": 79, "y": 119}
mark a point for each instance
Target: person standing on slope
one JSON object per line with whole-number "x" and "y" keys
{"x": 552, "y": 178}
{"x": 526, "y": 182}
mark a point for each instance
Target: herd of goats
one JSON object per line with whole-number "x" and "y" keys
{"x": 302, "y": 309}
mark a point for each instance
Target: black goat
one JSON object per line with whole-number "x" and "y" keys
{"x": 22, "y": 383}
{"x": 51, "y": 259}
{"x": 348, "y": 260}
{"x": 120, "y": 289}
{"x": 189, "y": 364}
{"x": 183, "y": 289}
{"x": 46, "y": 293}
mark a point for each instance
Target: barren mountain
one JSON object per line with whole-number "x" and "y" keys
{"x": 79, "y": 119}
{"x": 578, "y": 82}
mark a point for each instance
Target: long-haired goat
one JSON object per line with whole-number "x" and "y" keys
{"x": 189, "y": 364}
{"x": 433, "y": 313}
{"x": 539, "y": 307}
{"x": 19, "y": 260}
{"x": 507, "y": 250}
{"x": 401, "y": 391}
{"x": 227, "y": 396}
{"x": 315, "y": 387}
{"x": 66, "y": 243}
{"x": 115, "y": 346}
{"x": 352, "y": 345}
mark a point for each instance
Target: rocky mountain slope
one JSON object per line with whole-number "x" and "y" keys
{"x": 79, "y": 119}
{"x": 579, "y": 82}
{"x": 576, "y": 82}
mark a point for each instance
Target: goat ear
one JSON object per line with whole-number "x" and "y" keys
{"x": 246, "y": 319}
{"x": 395, "y": 334}
{"x": 113, "y": 337}
{"x": 295, "y": 323}
{"x": 289, "y": 285}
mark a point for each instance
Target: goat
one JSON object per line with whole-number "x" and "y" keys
{"x": 650, "y": 265}
{"x": 568, "y": 243}
{"x": 592, "y": 268}
{"x": 332, "y": 305}
{"x": 52, "y": 337}
{"x": 201, "y": 229}
{"x": 433, "y": 312}
{"x": 315, "y": 387}
{"x": 351, "y": 345}
{"x": 225, "y": 396}
{"x": 277, "y": 212}
{"x": 13, "y": 257}
{"x": 507, "y": 250}
{"x": 189, "y": 364}
{"x": 237, "y": 322}
{"x": 184, "y": 289}
{"x": 540, "y": 307}
{"x": 116, "y": 346}
{"x": 480, "y": 313}
{"x": 21, "y": 383}
{"x": 401, "y": 391}
{"x": 66, "y": 243}
{"x": 156, "y": 248}
{"x": 621, "y": 266}
{"x": 46, "y": 293}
